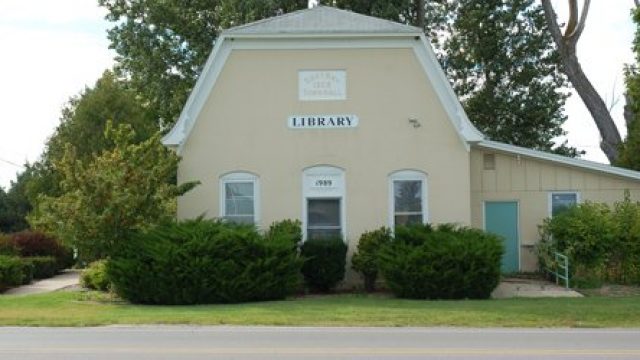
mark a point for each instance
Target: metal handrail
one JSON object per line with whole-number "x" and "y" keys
{"x": 562, "y": 269}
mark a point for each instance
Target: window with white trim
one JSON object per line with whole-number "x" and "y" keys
{"x": 408, "y": 198}
{"x": 559, "y": 202}
{"x": 239, "y": 197}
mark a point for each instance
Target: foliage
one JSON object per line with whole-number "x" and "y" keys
{"x": 324, "y": 263}
{"x": 629, "y": 155}
{"x": 43, "y": 266}
{"x": 95, "y": 276}
{"x": 289, "y": 229}
{"x": 111, "y": 195}
{"x": 28, "y": 270}
{"x": 365, "y": 261}
{"x": 602, "y": 243}
{"x": 500, "y": 59}
{"x": 199, "y": 261}
{"x": 14, "y": 206}
{"x": 6, "y": 246}
{"x": 446, "y": 262}
{"x": 11, "y": 272}
{"x": 163, "y": 45}
{"x": 34, "y": 243}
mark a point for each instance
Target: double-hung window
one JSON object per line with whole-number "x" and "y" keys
{"x": 559, "y": 202}
{"x": 239, "y": 198}
{"x": 408, "y": 198}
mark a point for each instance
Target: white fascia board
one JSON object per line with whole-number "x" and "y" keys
{"x": 327, "y": 35}
{"x": 226, "y": 43}
{"x": 199, "y": 95}
{"x": 448, "y": 98}
{"x": 559, "y": 159}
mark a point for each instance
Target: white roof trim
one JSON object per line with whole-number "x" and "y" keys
{"x": 226, "y": 43}
{"x": 541, "y": 155}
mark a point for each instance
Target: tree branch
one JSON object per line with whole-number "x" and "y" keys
{"x": 573, "y": 18}
{"x": 583, "y": 20}
{"x": 551, "y": 16}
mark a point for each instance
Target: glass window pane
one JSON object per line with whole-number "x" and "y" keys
{"x": 323, "y": 212}
{"x": 408, "y": 219}
{"x": 239, "y": 206}
{"x": 407, "y": 195}
{"x": 561, "y": 202}
{"x": 234, "y": 189}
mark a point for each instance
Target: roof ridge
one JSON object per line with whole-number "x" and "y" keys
{"x": 268, "y": 19}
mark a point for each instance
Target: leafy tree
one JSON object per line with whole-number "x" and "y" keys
{"x": 82, "y": 125}
{"x": 630, "y": 150}
{"x": 162, "y": 45}
{"x": 108, "y": 196}
{"x": 14, "y": 205}
{"x": 500, "y": 59}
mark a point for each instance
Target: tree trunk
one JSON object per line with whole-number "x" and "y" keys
{"x": 420, "y": 13}
{"x": 566, "y": 44}
{"x": 611, "y": 138}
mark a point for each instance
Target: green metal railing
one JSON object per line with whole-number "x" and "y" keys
{"x": 561, "y": 272}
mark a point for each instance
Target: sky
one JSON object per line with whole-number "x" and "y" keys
{"x": 54, "y": 49}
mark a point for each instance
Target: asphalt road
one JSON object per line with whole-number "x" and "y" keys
{"x": 179, "y": 342}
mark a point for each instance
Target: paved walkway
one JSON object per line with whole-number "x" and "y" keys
{"x": 514, "y": 287}
{"x": 65, "y": 279}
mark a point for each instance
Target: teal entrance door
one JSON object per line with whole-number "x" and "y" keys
{"x": 501, "y": 218}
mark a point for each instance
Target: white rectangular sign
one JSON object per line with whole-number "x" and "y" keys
{"x": 316, "y": 85}
{"x": 322, "y": 121}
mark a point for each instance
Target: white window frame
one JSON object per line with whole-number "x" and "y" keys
{"x": 241, "y": 177}
{"x": 408, "y": 175}
{"x": 550, "y": 199}
{"x": 337, "y": 192}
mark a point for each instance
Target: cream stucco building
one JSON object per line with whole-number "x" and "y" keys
{"x": 348, "y": 123}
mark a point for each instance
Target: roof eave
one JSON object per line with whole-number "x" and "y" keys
{"x": 316, "y": 35}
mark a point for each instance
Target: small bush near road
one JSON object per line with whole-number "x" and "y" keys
{"x": 43, "y": 266}
{"x": 365, "y": 260}
{"x": 11, "y": 272}
{"x": 445, "y": 262}
{"x": 324, "y": 263}
{"x": 201, "y": 261}
{"x": 602, "y": 242}
{"x": 95, "y": 276}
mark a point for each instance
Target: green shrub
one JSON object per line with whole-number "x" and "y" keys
{"x": 11, "y": 272}
{"x": 324, "y": 263}
{"x": 95, "y": 276}
{"x": 6, "y": 246}
{"x": 202, "y": 261}
{"x": 601, "y": 242}
{"x": 43, "y": 266}
{"x": 365, "y": 261}
{"x": 27, "y": 271}
{"x": 288, "y": 229}
{"x": 447, "y": 262}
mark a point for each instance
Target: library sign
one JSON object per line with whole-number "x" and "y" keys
{"x": 322, "y": 121}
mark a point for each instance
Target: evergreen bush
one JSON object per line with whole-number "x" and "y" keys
{"x": 11, "y": 272}
{"x": 95, "y": 276}
{"x": 446, "y": 262}
{"x": 324, "y": 263}
{"x": 201, "y": 261}
{"x": 365, "y": 260}
{"x": 43, "y": 266}
{"x": 288, "y": 229}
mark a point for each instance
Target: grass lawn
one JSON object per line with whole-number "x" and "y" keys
{"x": 90, "y": 308}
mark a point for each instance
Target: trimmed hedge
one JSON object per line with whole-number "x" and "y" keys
{"x": 324, "y": 263}
{"x": 11, "y": 272}
{"x": 365, "y": 261}
{"x": 95, "y": 276}
{"x": 43, "y": 266}
{"x": 27, "y": 271}
{"x": 445, "y": 262}
{"x": 30, "y": 244}
{"x": 288, "y": 229}
{"x": 201, "y": 261}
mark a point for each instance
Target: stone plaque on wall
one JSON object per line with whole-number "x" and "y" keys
{"x": 319, "y": 85}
